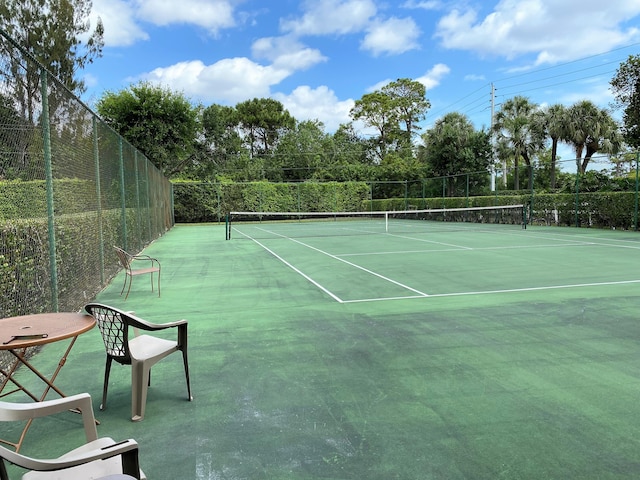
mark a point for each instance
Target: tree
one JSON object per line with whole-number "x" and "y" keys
{"x": 591, "y": 129}
{"x": 52, "y": 31}
{"x": 221, "y": 140}
{"x": 399, "y": 102}
{"x": 263, "y": 120}
{"x": 375, "y": 110}
{"x": 555, "y": 126}
{"x": 301, "y": 151}
{"x": 626, "y": 90}
{"x": 14, "y": 142}
{"x": 518, "y": 127}
{"x": 160, "y": 123}
{"x": 453, "y": 147}
{"x": 409, "y": 102}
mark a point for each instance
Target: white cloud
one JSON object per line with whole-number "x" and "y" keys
{"x": 122, "y": 18}
{"x": 210, "y": 14}
{"x": 227, "y": 81}
{"x": 306, "y": 103}
{"x": 554, "y": 31}
{"x": 430, "y": 80}
{"x": 286, "y": 52}
{"x": 393, "y": 36}
{"x": 424, "y": 4}
{"x": 433, "y": 77}
{"x": 323, "y": 17}
{"x": 120, "y": 28}
{"x": 474, "y": 78}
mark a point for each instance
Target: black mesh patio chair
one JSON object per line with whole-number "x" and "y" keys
{"x": 141, "y": 351}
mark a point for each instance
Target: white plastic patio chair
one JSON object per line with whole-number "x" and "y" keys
{"x": 99, "y": 458}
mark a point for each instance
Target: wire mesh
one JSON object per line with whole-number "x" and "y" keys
{"x": 70, "y": 189}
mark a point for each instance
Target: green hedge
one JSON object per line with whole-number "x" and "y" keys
{"x": 600, "y": 210}
{"x": 25, "y": 275}
{"x": 19, "y": 200}
{"x": 208, "y": 202}
{"x": 196, "y": 202}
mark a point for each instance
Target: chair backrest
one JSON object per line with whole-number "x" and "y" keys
{"x": 114, "y": 330}
{"x": 123, "y": 257}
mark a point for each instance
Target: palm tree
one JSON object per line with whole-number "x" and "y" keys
{"x": 518, "y": 126}
{"x": 606, "y": 137}
{"x": 555, "y": 125}
{"x": 592, "y": 129}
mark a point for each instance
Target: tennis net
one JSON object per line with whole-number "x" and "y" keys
{"x": 315, "y": 224}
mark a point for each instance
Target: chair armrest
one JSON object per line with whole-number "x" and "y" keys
{"x": 27, "y": 411}
{"x": 145, "y": 257}
{"x": 127, "y": 448}
{"x": 149, "y": 326}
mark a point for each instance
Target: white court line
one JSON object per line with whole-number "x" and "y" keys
{"x": 430, "y": 241}
{"x": 402, "y": 285}
{"x": 513, "y": 247}
{"x": 604, "y": 241}
{"x": 307, "y": 277}
{"x": 491, "y": 292}
{"x": 454, "y": 294}
{"x": 387, "y": 279}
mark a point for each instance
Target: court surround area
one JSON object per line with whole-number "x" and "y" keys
{"x": 495, "y": 352}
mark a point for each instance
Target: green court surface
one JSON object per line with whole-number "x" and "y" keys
{"x": 493, "y": 353}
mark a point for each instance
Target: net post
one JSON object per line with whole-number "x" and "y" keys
{"x": 386, "y": 222}
{"x": 227, "y": 228}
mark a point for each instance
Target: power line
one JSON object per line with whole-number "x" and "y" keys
{"x": 472, "y": 106}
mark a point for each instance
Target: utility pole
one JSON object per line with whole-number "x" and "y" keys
{"x": 493, "y": 146}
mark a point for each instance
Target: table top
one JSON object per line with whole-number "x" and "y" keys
{"x": 42, "y": 328}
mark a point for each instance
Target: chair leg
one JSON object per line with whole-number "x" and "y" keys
{"x": 125, "y": 283}
{"x": 186, "y": 373}
{"x": 140, "y": 377}
{"x": 129, "y": 289}
{"x": 107, "y": 370}
{"x": 3, "y": 471}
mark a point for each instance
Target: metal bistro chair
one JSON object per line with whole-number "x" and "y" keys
{"x": 99, "y": 458}
{"x": 127, "y": 259}
{"x": 141, "y": 352}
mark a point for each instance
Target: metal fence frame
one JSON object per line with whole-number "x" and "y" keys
{"x": 67, "y": 177}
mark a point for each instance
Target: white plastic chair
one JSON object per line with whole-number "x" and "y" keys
{"x": 99, "y": 458}
{"x": 141, "y": 352}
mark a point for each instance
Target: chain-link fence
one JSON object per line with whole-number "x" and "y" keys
{"x": 70, "y": 189}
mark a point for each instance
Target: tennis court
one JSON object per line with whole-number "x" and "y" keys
{"x": 444, "y": 353}
{"x": 405, "y": 259}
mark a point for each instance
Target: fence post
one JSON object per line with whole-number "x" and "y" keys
{"x": 136, "y": 182}
{"x": 152, "y": 217}
{"x": 123, "y": 199}
{"x": 406, "y": 195}
{"x": 466, "y": 203}
{"x": 46, "y": 138}
{"x": 635, "y": 214}
{"x": 577, "y": 192}
{"x": 96, "y": 162}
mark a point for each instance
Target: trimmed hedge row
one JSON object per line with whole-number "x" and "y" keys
{"x": 19, "y": 200}
{"x": 197, "y": 202}
{"x": 600, "y": 210}
{"x": 25, "y": 276}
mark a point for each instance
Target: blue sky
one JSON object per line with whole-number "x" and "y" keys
{"x": 318, "y": 56}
